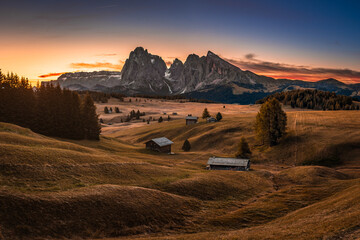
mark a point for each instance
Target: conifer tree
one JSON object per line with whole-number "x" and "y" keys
{"x": 90, "y": 120}
{"x": 186, "y": 146}
{"x": 106, "y": 110}
{"x": 243, "y": 150}
{"x": 205, "y": 114}
{"x": 160, "y": 119}
{"x": 72, "y": 125}
{"x": 270, "y": 122}
{"x": 218, "y": 116}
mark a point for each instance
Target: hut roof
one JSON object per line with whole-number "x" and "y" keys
{"x": 191, "y": 118}
{"x": 228, "y": 161}
{"x": 162, "y": 141}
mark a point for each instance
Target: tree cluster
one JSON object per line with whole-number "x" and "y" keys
{"x": 110, "y": 110}
{"x": 134, "y": 115}
{"x": 313, "y": 99}
{"x": 102, "y": 97}
{"x": 47, "y": 109}
{"x": 270, "y": 122}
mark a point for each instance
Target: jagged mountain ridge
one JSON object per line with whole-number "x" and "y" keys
{"x": 209, "y": 77}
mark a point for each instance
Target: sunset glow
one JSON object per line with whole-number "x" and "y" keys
{"x": 99, "y": 35}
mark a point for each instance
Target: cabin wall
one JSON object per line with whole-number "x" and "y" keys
{"x": 153, "y": 146}
{"x": 223, "y": 167}
{"x": 189, "y": 122}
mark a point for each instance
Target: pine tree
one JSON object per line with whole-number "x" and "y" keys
{"x": 160, "y": 119}
{"x": 243, "y": 150}
{"x": 117, "y": 110}
{"x": 270, "y": 122}
{"x": 218, "y": 116}
{"x": 186, "y": 146}
{"x": 205, "y": 114}
{"x": 168, "y": 118}
{"x": 106, "y": 110}
{"x": 71, "y": 116}
{"x": 90, "y": 120}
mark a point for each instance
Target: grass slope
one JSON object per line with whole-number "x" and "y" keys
{"x": 55, "y": 188}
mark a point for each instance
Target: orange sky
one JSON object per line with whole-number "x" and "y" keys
{"x": 48, "y": 58}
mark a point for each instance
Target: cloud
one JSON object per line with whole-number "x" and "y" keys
{"x": 105, "y": 65}
{"x": 282, "y": 70}
{"x": 250, "y": 56}
{"x": 51, "y": 75}
{"x": 107, "y": 55}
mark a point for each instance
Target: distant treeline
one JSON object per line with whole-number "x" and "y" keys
{"x": 102, "y": 97}
{"x": 47, "y": 109}
{"x": 174, "y": 97}
{"x": 313, "y": 99}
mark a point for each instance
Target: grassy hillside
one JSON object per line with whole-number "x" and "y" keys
{"x": 55, "y": 188}
{"x": 313, "y": 138}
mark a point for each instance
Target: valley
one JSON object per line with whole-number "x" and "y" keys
{"x": 116, "y": 189}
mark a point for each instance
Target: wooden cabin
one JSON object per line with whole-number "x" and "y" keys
{"x": 159, "y": 145}
{"x": 235, "y": 164}
{"x": 191, "y": 120}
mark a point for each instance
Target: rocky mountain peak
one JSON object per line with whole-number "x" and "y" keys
{"x": 210, "y": 54}
{"x": 177, "y": 62}
{"x": 175, "y": 70}
{"x": 208, "y": 77}
{"x": 144, "y": 71}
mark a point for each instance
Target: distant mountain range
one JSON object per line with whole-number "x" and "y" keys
{"x": 207, "y": 77}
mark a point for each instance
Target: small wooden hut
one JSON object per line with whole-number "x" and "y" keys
{"x": 235, "y": 164}
{"x": 191, "y": 120}
{"x": 161, "y": 144}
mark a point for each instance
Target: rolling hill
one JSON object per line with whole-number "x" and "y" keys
{"x": 114, "y": 188}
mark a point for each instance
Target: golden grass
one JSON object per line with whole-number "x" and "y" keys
{"x": 115, "y": 187}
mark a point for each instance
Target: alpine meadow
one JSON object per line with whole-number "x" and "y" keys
{"x": 179, "y": 120}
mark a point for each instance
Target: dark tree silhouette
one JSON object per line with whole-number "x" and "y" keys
{"x": 205, "y": 114}
{"x": 270, "y": 122}
{"x": 218, "y": 116}
{"x": 90, "y": 119}
{"x": 243, "y": 150}
{"x": 186, "y": 146}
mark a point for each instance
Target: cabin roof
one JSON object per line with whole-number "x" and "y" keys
{"x": 238, "y": 162}
{"x": 162, "y": 141}
{"x": 191, "y": 118}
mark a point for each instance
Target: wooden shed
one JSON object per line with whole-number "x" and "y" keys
{"x": 159, "y": 145}
{"x": 191, "y": 120}
{"x": 235, "y": 164}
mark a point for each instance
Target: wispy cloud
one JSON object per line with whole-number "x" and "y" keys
{"x": 104, "y": 65}
{"x": 106, "y": 54}
{"x": 282, "y": 70}
{"x": 51, "y": 75}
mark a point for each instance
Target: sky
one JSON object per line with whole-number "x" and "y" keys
{"x": 306, "y": 40}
